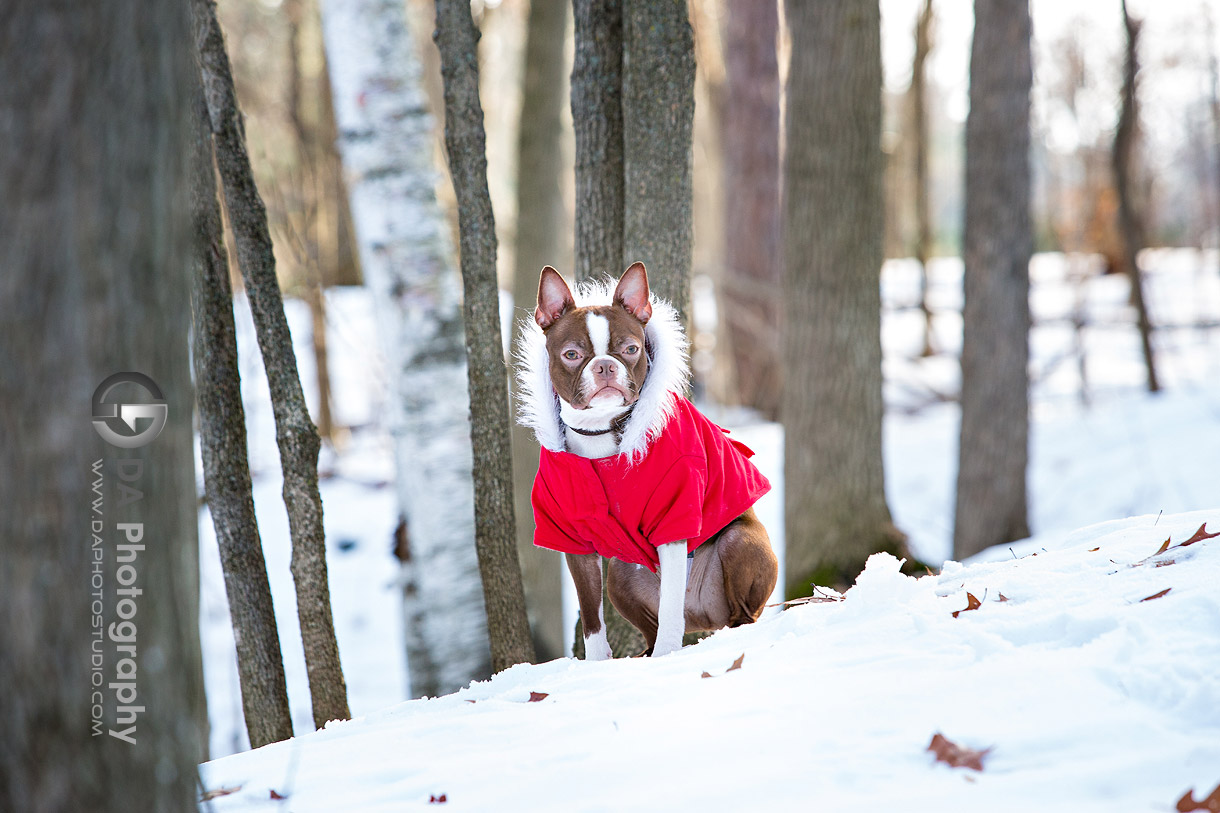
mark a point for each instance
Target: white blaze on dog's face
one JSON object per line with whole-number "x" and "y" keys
{"x": 597, "y": 358}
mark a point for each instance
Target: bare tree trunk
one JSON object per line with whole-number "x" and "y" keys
{"x": 295, "y": 434}
{"x": 597, "y": 118}
{"x": 1130, "y": 222}
{"x": 658, "y": 116}
{"x": 541, "y": 221}
{"x": 226, "y": 470}
{"x": 507, "y": 624}
{"x": 835, "y": 509}
{"x": 998, "y": 240}
{"x": 310, "y": 168}
{"x": 919, "y": 128}
{"x": 95, "y": 247}
{"x": 753, "y": 252}
{"x": 386, "y": 137}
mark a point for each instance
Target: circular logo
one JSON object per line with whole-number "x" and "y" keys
{"x": 111, "y": 419}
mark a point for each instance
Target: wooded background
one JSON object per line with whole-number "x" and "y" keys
{"x": 762, "y": 158}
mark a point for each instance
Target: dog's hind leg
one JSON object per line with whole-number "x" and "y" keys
{"x": 586, "y": 570}
{"x": 750, "y": 568}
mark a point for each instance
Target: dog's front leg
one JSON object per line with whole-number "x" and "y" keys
{"x": 671, "y": 610}
{"x": 586, "y": 570}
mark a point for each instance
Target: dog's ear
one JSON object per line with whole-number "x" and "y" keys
{"x": 632, "y": 292}
{"x": 554, "y": 298}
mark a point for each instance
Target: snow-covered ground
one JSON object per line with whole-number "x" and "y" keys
{"x": 1092, "y": 699}
{"x": 1090, "y": 695}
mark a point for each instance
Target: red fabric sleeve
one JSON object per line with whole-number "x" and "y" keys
{"x": 674, "y": 511}
{"x": 548, "y": 531}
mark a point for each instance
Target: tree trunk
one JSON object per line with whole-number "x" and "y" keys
{"x": 1130, "y": 222}
{"x": 507, "y": 624}
{"x": 310, "y": 163}
{"x": 919, "y": 132}
{"x": 226, "y": 470}
{"x": 597, "y": 119}
{"x": 658, "y": 116}
{"x": 835, "y": 509}
{"x": 295, "y": 434}
{"x": 386, "y": 139}
{"x": 753, "y": 271}
{"x": 541, "y": 221}
{"x": 95, "y": 247}
{"x": 997, "y": 242}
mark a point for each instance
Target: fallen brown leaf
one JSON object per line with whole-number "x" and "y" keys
{"x": 536, "y": 696}
{"x": 972, "y": 603}
{"x": 1187, "y": 803}
{"x": 1003, "y": 597}
{"x": 438, "y": 800}
{"x": 955, "y": 755}
{"x": 275, "y": 795}
{"x": 1094, "y": 550}
{"x": 736, "y": 665}
{"x": 1199, "y": 536}
{"x": 209, "y": 795}
{"x": 1164, "y": 547}
{"x": 1157, "y": 595}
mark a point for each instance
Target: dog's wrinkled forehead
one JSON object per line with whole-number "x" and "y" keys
{"x": 599, "y": 329}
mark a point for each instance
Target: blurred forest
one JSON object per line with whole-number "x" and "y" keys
{"x": 1124, "y": 154}
{"x": 280, "y": 70}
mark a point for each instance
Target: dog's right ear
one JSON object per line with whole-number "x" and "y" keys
{"x": 554, "y": 298}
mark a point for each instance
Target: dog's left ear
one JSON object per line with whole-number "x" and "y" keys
{"x": 632, "y": 292}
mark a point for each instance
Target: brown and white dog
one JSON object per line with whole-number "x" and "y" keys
{"x": 630, "y": 470}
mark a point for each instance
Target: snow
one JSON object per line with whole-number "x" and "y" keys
{"x": 1090, "y": 697}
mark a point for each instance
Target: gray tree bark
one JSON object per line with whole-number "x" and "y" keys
{"x": 919, "y": 132}
{"x": 541, "y": 240}
{"x": 226, "y": 470}
{"x": 835, "y": 510}
{"x": 658, "y": 117}
{"x": 295, "y": 434}
{"x": 997, "y": 243}
{"x": 507, "y": 624}
{"x": 95, "y": 247}
{"x": 386, "y": 137}
{"x": 753, "y": 270}
{"x": 597, "y": 119}
{"x": 1130, "y": 222}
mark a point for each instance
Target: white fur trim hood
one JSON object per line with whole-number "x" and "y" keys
{"x": 668, "y": 374}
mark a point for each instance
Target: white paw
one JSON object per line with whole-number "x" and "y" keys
{"x": 597, "y": 648}
{"x": 664, "y": 646}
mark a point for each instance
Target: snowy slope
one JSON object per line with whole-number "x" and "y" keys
{"x": 1091, "y": 698}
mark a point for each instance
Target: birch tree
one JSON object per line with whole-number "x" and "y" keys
{"x": 386, "y": 142}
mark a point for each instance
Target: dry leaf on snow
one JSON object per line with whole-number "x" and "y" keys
{"x": 955, "y": 755}
{"x": 1187, "y": 803}
{"x": 972, "y": 603}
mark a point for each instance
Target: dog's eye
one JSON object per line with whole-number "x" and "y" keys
{"x": 631, "y": 350}
{"x": 571, "y": 355}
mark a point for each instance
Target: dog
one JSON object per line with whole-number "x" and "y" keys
{"x": 632, "y": 472}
